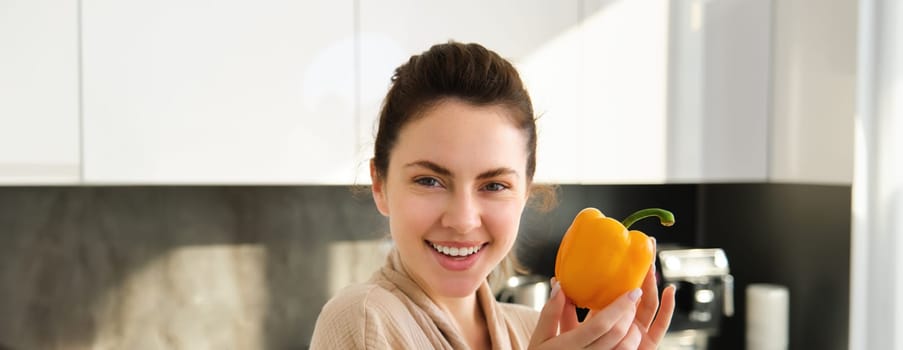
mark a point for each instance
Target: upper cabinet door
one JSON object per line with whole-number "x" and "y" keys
{"x": 39, "y": 126}
{"x": 675, "y": 91}
{"x": 814, "y": 89}
{"x": 541, "y": 38}
{"x": 719, "y": 90}
{"x": 623, "y": 92}
{"x": 233, "y": 92}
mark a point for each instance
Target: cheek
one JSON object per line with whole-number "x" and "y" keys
{"x": 419, "y": 213}
{"x": 503, "y": 219}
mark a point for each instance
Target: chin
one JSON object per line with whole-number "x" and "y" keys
{"x": 459, "y": 288}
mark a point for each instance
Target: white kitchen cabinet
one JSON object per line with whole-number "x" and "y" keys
{"x": 622, "y": 112}
{"x": 541, "y": 38}
{"x": 674, "y": 91}
{"x": 233, "y": 92}
{"x": 727, "y": 141}
{"x": 643, "y": 91}
{"x": 39, "y": 120}
{"x": 814, "y": 91}
{"x": 762, "y": 91}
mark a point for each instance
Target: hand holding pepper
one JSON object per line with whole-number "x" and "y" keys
{"x": 632, "y": 321}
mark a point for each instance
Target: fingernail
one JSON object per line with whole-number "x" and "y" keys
{"x": 672, "y": 285}
{"x": 556, "y": 287}
{"x": 635, "y": 294}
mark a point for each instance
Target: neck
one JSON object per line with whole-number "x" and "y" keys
{"x": 463, "y": 310}
{"x": 469, "y": 318}
{"x": 466, "y": 314}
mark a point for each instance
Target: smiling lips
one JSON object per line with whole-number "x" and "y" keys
{"x": 457, "y": 256}
{"x": 456, "y": 251}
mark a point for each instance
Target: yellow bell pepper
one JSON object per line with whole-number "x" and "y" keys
{"x": 599, "y": 259}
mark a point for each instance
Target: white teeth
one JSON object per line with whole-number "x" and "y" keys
{"x": 455, "y": 251}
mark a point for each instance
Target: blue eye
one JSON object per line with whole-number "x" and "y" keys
{"x": 494, "y": 187}
{"x": 427, "y": 181}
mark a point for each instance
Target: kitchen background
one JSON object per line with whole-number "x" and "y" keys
{"x": 185, "y": 175}
{"x": 192, "y": 267}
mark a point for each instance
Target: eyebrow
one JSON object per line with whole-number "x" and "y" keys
{"x": 445, "y": 172}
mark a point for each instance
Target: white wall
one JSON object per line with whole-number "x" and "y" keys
{"x": 876, "y": 309}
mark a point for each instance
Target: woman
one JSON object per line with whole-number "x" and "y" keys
{"x": 452, "y": 169}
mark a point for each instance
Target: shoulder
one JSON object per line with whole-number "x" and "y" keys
{"x": 360, "y": 298}
{"x": 360, "y": 316}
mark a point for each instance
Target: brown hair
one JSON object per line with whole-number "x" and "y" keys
{"x": 468, "y": 72}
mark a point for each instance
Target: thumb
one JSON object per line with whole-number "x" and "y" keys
{"x": 549, "y": 317}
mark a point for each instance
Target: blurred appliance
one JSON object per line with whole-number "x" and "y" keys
{"x": 530, "y": 290}
{"x": 705, "y": 294}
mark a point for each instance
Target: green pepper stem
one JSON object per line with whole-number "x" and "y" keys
{"x": 664, "y": 216}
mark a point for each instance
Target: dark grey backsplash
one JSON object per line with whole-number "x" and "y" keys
{"x": 788, "y": 234}
{"x": 248, "y": 267}
{"x": 130, "y": 267}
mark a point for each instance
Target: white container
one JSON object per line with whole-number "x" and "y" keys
{"x": 767, "y": 317}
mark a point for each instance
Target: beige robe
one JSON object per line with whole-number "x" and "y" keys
{"x": 391, "y": 312}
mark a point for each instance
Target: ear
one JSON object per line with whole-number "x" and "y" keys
{"x": 379, "y": 190}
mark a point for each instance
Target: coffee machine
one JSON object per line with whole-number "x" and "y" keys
{"x": 705, "y": 294}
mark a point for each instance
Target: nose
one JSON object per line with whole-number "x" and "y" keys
{"x": 462, "y": 213}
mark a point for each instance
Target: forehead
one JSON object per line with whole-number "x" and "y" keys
{"x": 459, "y": 133}
{"x": 450, "y": 106}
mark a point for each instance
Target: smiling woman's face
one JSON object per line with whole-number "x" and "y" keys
{"x": 454, "y": 193}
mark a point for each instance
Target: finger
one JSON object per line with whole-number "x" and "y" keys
{"x": 607, "y": 319}
{"x": 547, "y": 326}
{"x": 649, "y": 302}
{"x": 632, "y": 339}
{"x": 569, "y": 317}
{"x": 616, "y": 335}
{"x": 663, "y": 319}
